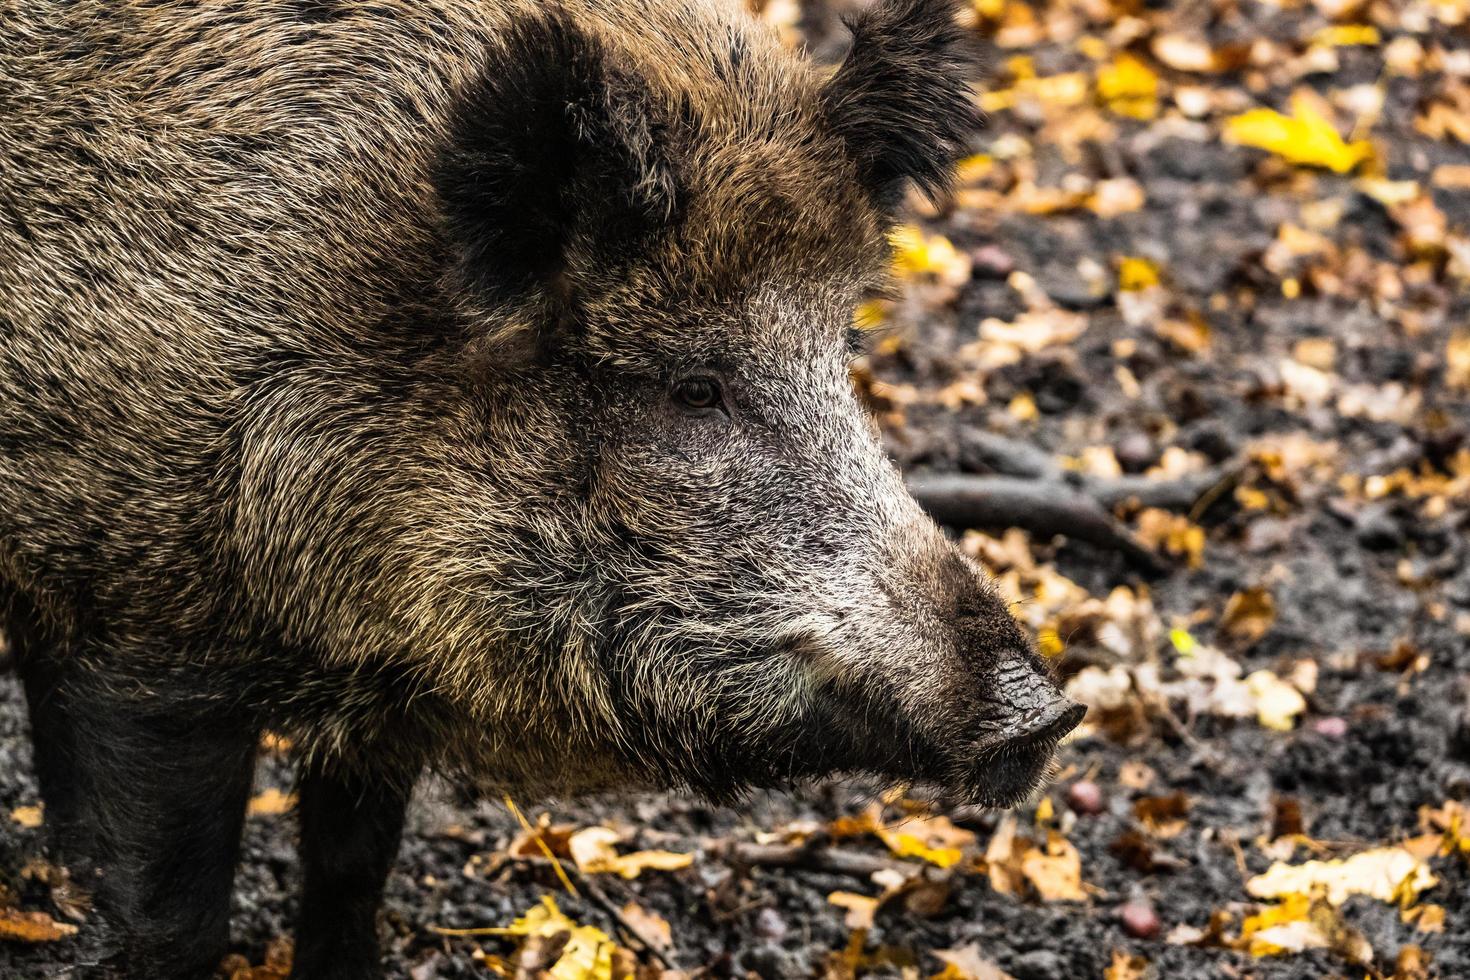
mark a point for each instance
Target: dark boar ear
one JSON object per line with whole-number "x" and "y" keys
{"x": 901, "y": 100}
{"x": 554, "y": 153}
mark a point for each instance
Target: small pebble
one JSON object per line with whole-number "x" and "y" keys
{"x": 770, "y": 925}
{"x": 992, "y": 261}
{"x": 1085, "y": 797}
{"x": 1136, "y": 452}
{"x": 1139, "y": 919}
{"x": 1332, "y": 727}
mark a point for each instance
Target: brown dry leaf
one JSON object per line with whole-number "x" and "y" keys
{"x": 861, "y": 909}
{"x": 1001, "y": 858}
{"x": 1035, "y": 330}
{"x": 1173, "y": 533}
{"x": 275, "y": 966}
{"x": 1249, "y": 614}
{"x": 1056, "y": 871}
{"x": 29, "y": 817}
{"x": 651, "y": 927}
{"x": 1425, "y": 918}
{"x": 1135, "y": 774}
{"x": 543, "y": 837}
{"x": 1162, "y": 816}
{"x": 1191, "y": 334}
{"x": 1411, "y": 963}
{"x": 594, "y": 852}
{"x": 270, "y": 802}
{"x": 967, "y": 963}
{"x": 1126, "y": 966}
{"x": 32, "y": 927}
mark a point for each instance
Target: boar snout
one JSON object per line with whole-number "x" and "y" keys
{"x": 1033, "y": 712}
{"x": 1026, "y": 719}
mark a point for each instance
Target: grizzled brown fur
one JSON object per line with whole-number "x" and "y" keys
{"x": 462, "y": 384}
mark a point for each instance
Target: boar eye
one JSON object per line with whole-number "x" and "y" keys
{"x": 698, "y": 394}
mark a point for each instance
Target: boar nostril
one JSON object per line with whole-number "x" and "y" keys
{"x": 1042, "y": 726}
{"x": 1055, "y": 721}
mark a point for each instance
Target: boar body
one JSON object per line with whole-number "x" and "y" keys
{"x": 461, "y": 385}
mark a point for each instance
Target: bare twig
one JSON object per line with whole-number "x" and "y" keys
{"x": 595, "y": 892}
{"x": 808, "y": 855}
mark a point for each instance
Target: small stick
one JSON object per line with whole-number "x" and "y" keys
{"x": 805, "y": 856}
{"x": 597, "y": 895}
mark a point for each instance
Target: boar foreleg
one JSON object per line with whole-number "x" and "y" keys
{"x": 350, "y": 828}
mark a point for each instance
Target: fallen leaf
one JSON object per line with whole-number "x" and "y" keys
{"x": 967, "y": 963}
{"x": 32, "y": 927}
{"x": 1055, "y": 871}
{"x": 861, "y": 909}
{"x": 1277, "y": 702}
{"x": 29, "y": 817}
{"x": 1125, "y": 966}
{"x": 1386, "y": 873}
{"x": 1129, "y": 87}
{"x": 594, "y": 853}
{"x": 918, "y": 254}
{"x": 1300, "y": 923}
{"x": 1305, "y": 137}
{"x": 1425, "y": 918}
{"x": 1249, "y": 614}
{"x": 651, "y": 927}
{"x": 586, "y": 954}
{"x": 270, "y": 802}
{"x": 1136, "y": 273}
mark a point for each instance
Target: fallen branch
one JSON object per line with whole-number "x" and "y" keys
{"x": 808, "y": 856}
{"x": 1043, "y": 506}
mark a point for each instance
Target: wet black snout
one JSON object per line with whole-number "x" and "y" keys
{"x": 1048, "y": 724}
{"x": 1033, "y": 712}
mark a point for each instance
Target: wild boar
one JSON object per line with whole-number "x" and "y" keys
{"x": 458, "y": 385}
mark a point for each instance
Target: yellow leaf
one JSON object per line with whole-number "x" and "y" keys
{"x": 1129, "y": 87}
{"x": 973, "y": 167}
{"x": 907, "y": 845}
{"x": 587, "y": 955}
{"x": 1385, "y": 873}
{"x": 1346, "y": 35}
{"x": 29, "y": 817}
{"x": 1304, "y": 137}
{"x": 1137, "y": 273}
{"x": 593, "y": 851}
{"x": 917, "y": 255}
{"x": 1277, "y": 702}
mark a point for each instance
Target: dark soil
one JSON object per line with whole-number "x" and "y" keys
{"x": 1351, "y": 577}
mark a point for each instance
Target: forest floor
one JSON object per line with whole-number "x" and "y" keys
{"x": 1234, "y": 340}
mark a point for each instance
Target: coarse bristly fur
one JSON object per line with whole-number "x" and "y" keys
{"x": 457, "y": 384}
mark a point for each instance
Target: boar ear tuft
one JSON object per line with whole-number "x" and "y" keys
{"x": 554, "y": 153}
{"x": 901, "y": 100}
